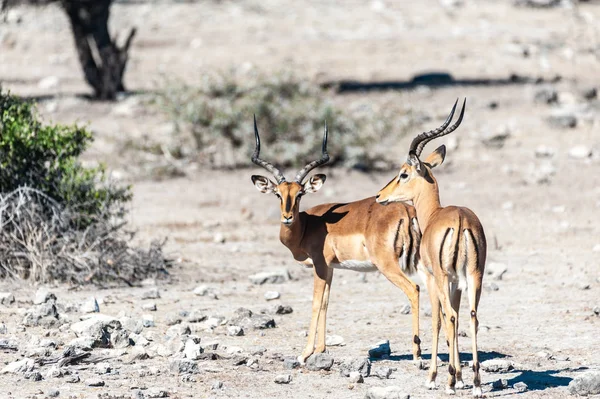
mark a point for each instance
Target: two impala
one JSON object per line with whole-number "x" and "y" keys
{"x": 366, "y": 236}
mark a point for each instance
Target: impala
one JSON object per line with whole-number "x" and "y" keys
{"x": 360, "y": 236}
{"x": 452, "y": 251}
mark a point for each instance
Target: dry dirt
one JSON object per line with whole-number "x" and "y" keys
{"x": 540, "y": 213}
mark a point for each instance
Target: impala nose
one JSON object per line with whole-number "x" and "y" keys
{"x": 287, "y": 221}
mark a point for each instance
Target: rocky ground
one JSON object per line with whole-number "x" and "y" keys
{"x": 526, "y": 160}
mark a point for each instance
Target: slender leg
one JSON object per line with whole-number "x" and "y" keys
{"x": 393, "y": 273}
{"x": 318, "y": 291}
{"x": 436, "y": 324}
{"x": 474, "y": 295}
{"x": 322, "y": 324}
{"x": 455, "y": 295}
{"x": 451, "y": 318}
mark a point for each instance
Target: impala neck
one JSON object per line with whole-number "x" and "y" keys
{"x": 427, "y": 202}
{"x": 291, "y": 236}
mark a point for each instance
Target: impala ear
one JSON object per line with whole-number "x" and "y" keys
{"x": 315, "y": 183}
{"x": 413, "y": 160}
{"x": 263, "y": 184}
{"x": 437, "y": 157}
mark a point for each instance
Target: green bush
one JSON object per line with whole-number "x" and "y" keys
{"x": 290, "y": 111}
{"x": 45, "y": 158}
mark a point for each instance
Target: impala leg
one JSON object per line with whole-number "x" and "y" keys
{"x": 400, "y": 280}
{"x": 450, "y": 317}
{"x": 322, "y": 323}
{"x": 474, "y": 295}
{"x": 455, "y": 295}
{"x": 436, "y": 314}
{"x": 318, "y": 291}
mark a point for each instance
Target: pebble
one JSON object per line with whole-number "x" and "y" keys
{"x": 271, "y": 295}
{"x": 49, "y": 82}
{"x": 102, "y": 368}
{"x": 380, "y": 350}
{"x": 6, "y": 298}
{"x": 497, "y": 366}
{"x": 157, "y": 393}
{"x": 149, "y": 307}
{"x": 546, "y": 95}
{"x": 383, "y": 373}
{"x": 499, "y": 385}
{"x": 291, "y": 363}
{"x": 132, "y": 325}
{"x": 273, "y": 277}
{"x": 597, "y": 310}
{"x": 172, "y": 319}
{"x": 153, "y": 293}
{"x": 197, "y": 316}
{"x": 393, "y": 392}
{"x": 334, "y": 340}
{"x": 562, "y": 120}
{"x": 90, "y": 306}
{"x": 148, "y": 320}
{"x": 590, "y": 94}
{"x": 235, "y": 331}
{"x": 491, "y": 286}
{"x": 94, "y": 382}
{"x": 580, "y": 152}
{"x": 496, "y": 139}
{"x": 586, "y": 384}
{"x": 204, "y": 290}
{"x": 319, "y": 361}
{"x": 3, "y": 329}
{"x": 19, "y": 366}
{"x": 183, "y": 366}
{"x": 42, "y": 295}
{"x": 405, "y": 309}
{"x": 543, "y": 151}
{"x": 34, "y": 376}
{"x": 496, "y": 270}
{"x": 283, "y": 379}
{"x": 520, "y": 386}
{"x": 219, "y": 238}
{"x": 192, "y": 350}
{"x": 356, "y": 377}
{"x": 53, "y": 393}
{"x": 74, "y": 379}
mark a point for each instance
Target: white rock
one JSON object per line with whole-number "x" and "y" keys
{"x": 543, "y": 151}
{"x": 148, "y": 320}
{"x": 192, "y": 350}
{"x": 580, "y": 152}
{"x": 149, "y": 307}
{"x": 6, "y": 298}
{"x": 90, "y": 306}
{"x": 283, "y": 379}
{"x": 235, "y": 331}
{"x": 219, "y": 238}
{"x": 271, "y": 295}
{"x": 334, "y": 340}
{"x": 49, "y": 82}
{"x": 42, "y": 295}
{"x": 356, "y": 377}
{"x": 392, "y": 392}
{"x": 273, "y": 277}
{"x": 20, "y": 366}
{"x": 559, "y": 209}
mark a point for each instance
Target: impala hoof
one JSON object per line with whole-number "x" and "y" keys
{"x": 477, "y": 392}
{"x": 450, "y": 391}
{"x": 421, "y": 365}
{"x": 430, "y": 384}
{"x": 459, "y": 384}
{"x": 302, "y": 360}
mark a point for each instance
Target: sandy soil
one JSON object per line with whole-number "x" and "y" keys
{"x": 540, "y": 213}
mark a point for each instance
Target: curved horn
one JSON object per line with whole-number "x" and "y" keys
{"x": 419, "y": 142}
{"x": 268, "y": 166}
{"x": 324, "y": 159}
{"x": 447, "y": 131}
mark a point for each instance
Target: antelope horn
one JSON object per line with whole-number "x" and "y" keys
{"x": 324, "y": 159}
{"x": 268, "y": 166}
{"x": 422, "y": 139}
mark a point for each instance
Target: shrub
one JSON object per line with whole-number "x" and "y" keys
{"x": 60, "y": 221}
{"x": 290, "y": 111}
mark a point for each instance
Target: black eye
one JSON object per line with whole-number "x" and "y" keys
{"x": 403, "y": 176}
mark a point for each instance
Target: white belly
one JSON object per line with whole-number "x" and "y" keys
{"x": 355, "y": 265}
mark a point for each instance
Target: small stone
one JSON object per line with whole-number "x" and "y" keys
{"x": 392, "y": 392}
{"x": 508, "y": 205}
{"x": 53, "y": 372}
{"x": 219, "y": 238}
{"x": 209, "y": 345}
{"x": 546, "y": 95}
{"x": 590, "y": 94}
{"x": 586, "y": 384}
{"x": 405, "y": 309}
{"x": 291, "y": 363}
{"x": 496, "y": 139}
{"x": 543, "y": 151}
{"x": 157, "y": 393}
{"x": 380, "y": 350}
{"x": 491, "y": 286}
{"x": 520, "y": 386}
{"x": 34, "y": 376}
{"x": 149, "y": 307}
{"x": 283, "y": 379}
{"x": 151, "y": 294}
{"x": 197, "y": 316}
{"x": 334, "y": 340}
{"x": 42, "y": 295}
{"x": 544, "y": 355}
{"x": 235, "y": 331}
{"x": 3, "y": 329}
{"x": 278, "y": 309}
{"x": 562, "y": 120}
{"x": 361, "y": 365}
{"x": 103, "y": 368}
{"x": 356, "y": 377}
{"x": 148, "y": 320}
{"x": 19, "y": 366}
{"x": 204, "y": 290}
{"x": 74, "y": 379}
{"x": 499, "y": 385}
{"x": 580, "y": 152}
{"x": 178, "y": 330}
{"x": 192, "y": 350}
{"x": 98, "y": 327}
{"x": 271, "y": 295}
{"x": 53, "y": 393}
{"x": 597, "y": 310}
{"x": 49, "y": 82}
{"x": 94, "y": 382}
{"x": 137, "y": 353}
{"x": 383, "y": 373}
{"x": 183, "y": 366}
{"x": 273, "y": 277}
{"x": 90, "y": 306}
{"x": 319, "y": 361}
{"x": 172, "y": 319}
{"x": 497, "y": 366}
{"x": 6, "y": 298}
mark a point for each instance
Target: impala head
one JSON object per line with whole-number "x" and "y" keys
{"x": 415, "y": 175}
{"x": 289, "y": 193}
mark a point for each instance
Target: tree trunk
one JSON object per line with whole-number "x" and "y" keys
{"x": 102, "y": 60}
